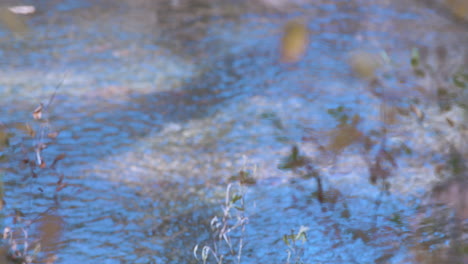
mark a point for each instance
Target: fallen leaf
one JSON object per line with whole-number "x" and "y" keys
{"x": 53, "y": 135}
{"x": 294, "y": 42}
{"x": 344, "y": 136}
{"x": 50, "y": 227}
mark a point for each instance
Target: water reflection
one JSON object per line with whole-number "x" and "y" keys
{"x": 156, "y": 113}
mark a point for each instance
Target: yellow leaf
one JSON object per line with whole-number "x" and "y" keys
{"x": 294, "y": 42}
{"x": 458, "y": 7}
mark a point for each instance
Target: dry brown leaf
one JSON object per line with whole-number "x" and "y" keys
{"x": 344, "y": 136}
{"x": 53, "y": 135}
{"x": 57, "y": 159}
{"x": 50, "y": 228}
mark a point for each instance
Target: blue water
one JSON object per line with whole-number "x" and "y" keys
{"x": 155, "y": 117}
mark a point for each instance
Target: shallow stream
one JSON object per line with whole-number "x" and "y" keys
{"x": 157, "y": 104}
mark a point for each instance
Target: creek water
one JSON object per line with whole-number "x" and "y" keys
{"x": 158, "y": 103}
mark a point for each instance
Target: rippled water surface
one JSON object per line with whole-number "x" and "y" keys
{"x": 158, "y": 103}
